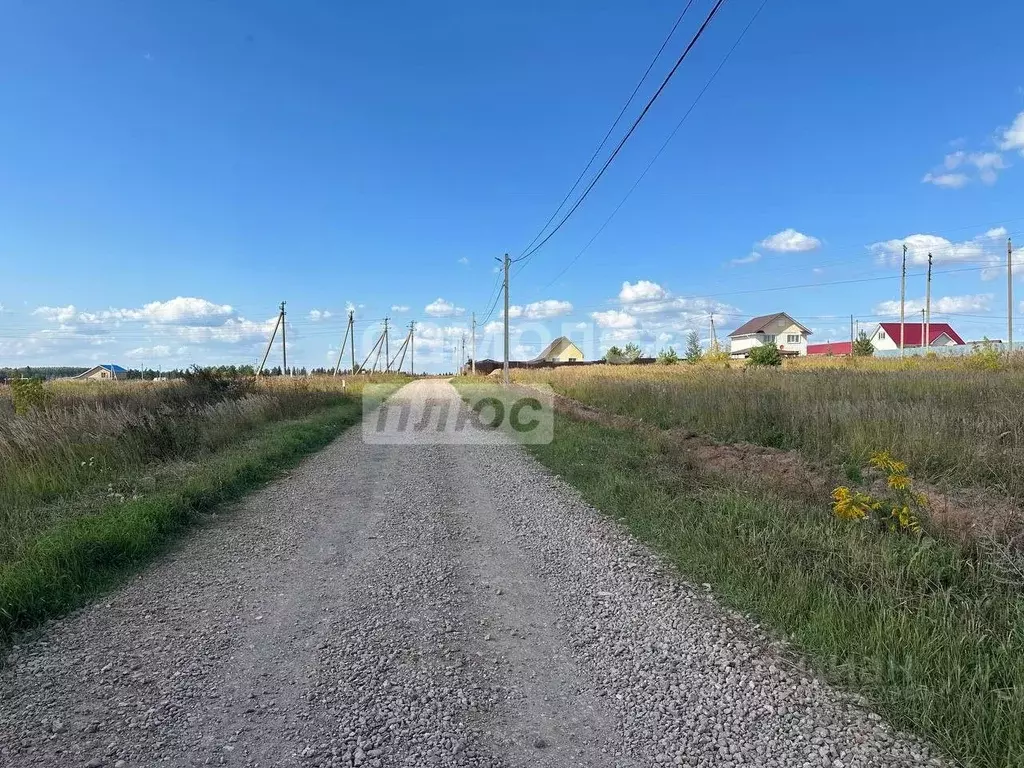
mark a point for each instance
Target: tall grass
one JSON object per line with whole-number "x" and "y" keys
{"x": 110, "y": 437}
{"x": 957, "y": 425}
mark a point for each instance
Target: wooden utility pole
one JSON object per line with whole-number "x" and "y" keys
{"x": 270, "y": 343}
{"x": 1009, "y": 297}
{"x": 472, "y": 347}
{"x": 504, "y": 370}
{"x": 350, "y": 334}
{"x": 284, "y": 344}
{"x": 903, "y": 300}
{"x": 928, "y": 305}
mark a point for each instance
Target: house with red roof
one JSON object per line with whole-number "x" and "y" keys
{"x": 887, "y": 335}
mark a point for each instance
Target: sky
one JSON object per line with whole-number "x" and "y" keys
{"x": 171, "y": 172}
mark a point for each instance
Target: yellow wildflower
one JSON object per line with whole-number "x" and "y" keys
{"x": 899, "y": 482}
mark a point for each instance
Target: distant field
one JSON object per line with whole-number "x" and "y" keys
{"x": 99, "y": 475}
{"x": 952, "y": 424}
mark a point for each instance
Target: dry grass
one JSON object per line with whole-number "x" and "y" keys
{"x": 956, "y": 426}
{"x": 100, "y": 438}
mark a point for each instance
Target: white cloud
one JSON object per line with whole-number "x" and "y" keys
{"x": 60, "y": 315}
{"x": 540, "y": 310}
{"x": 641, "y": 290}
{"x": 954, "y": 159}
{"x": 983, "y": 250}
{"x": 754, "y": 256}
{"x": 945, "y": 180}
{"x": 160, "y": 351}
{"x": 613, "y": 318}
{"x": 791, "y": 241}
{"x": 399, "y": 308}
{"x": 316, "y": 315}
{"x": 495, "y": 326}
{"x": 178, "y": 311}
{"x": 463, "y": 260}
{"x": 441, "y": 308}
{"x": 971, "y": 303}
{"x": 1013, "y": 137}
{"x": 514, "y": 311}
{"x": 987, "y": 163}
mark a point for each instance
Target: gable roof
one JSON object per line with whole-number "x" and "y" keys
{"x": 915, "y": 332}
{"x": 108, "y": 367}
{"x": 761, "y": 322}
{"x": 550, "y": 348}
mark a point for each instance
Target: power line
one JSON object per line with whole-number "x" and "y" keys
{"x": 682, "y": 57}
{"x": 658, "y": 154}
{"x": 608, "y": 133}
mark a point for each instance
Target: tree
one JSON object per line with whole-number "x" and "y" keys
{"x": 765, "y": 355}
{"x": 668, "y": 357}
{"x": 632, "y": 352}
{"x": 613, "y": 355}
{"x": 863, "y": 347}
{"x": 693, "y": 351}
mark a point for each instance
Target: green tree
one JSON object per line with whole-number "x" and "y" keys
{"x": 668, "y": 357}
{"x": 765, "y": 355}
{"x": 863, "y": 347}
{"x": 693, "y": 351}
{"x": 632, "y": 352}
{"x": 613, "y": 355}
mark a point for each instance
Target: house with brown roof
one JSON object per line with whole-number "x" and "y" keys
{"x": 789, "y": 335}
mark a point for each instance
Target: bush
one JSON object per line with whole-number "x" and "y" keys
{"x": 863, "y": 347}
{"x": 985, "y": 356}
{"x": 28, "y": 395}
{"x": 668, "y": 357}
{"x": 765, "y": 355}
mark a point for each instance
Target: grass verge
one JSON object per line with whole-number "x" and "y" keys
{"x": 80, "y": 556}
{"x": 931, "y": 632}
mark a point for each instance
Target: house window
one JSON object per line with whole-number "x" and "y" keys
{"x": 769, "y": 338}
{"x": 793, "y": 338}
{"x": 881, "y": 334}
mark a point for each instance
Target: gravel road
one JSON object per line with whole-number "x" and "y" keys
{"x": 420, "y": 605}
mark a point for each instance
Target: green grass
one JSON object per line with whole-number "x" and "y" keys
{"x": 79, "y": 556}
{"x": 931, "y": 633}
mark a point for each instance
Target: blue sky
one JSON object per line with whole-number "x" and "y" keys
{"x": 169, "y": 172}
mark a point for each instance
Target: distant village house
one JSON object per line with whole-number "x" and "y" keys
{"x": 781, "y": 329}
{"x": 886, "y": 336}
{"x": 107, "y": 372}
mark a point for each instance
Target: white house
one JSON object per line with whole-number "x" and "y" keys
{"x": 106, "y": 372}
{"x": 789, "y": 335}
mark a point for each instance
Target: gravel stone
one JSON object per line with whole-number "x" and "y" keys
{"x": 421, "y": 605}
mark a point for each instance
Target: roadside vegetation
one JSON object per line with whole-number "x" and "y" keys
{"x": 850, "y": 570}
{"x": 96, "y": 477}
{"x": 953, "y": 426}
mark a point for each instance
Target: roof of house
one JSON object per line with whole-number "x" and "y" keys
{"x": 915, "y": 332}
{"x": 761, "y": 322}
{"x": 830, "y": 348}
{"x": 109, "y": 367}
{"x": 550, "y": 348}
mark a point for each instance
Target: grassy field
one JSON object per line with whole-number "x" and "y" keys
{"x": 930, "y": 629}
{"x": 957, "y": 426}
{"x": 103, "y": 475}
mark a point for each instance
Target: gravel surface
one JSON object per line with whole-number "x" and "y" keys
{"x": 420, "y": 605}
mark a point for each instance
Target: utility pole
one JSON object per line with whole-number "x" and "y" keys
{"x": 349, "y": 331}
{"x": 851, "y": 334}
{"x": 1009, "y": 297}
{"x": 412, "y": 348}
{"x": 504, "y": 374}
{"x": 472, "y": 347}
{"x": 714, "y": 336}
{"x": 903, "y": 299}
{"x": 923, "y": 340}
{"x": 352, "y": 325}
{"x": 928, "y": 305}
{"x": 387, "y": 351}
{"x": 270, "y": 344}
{"x": 284, "y": 344}
{"x": 462, "y": 357}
